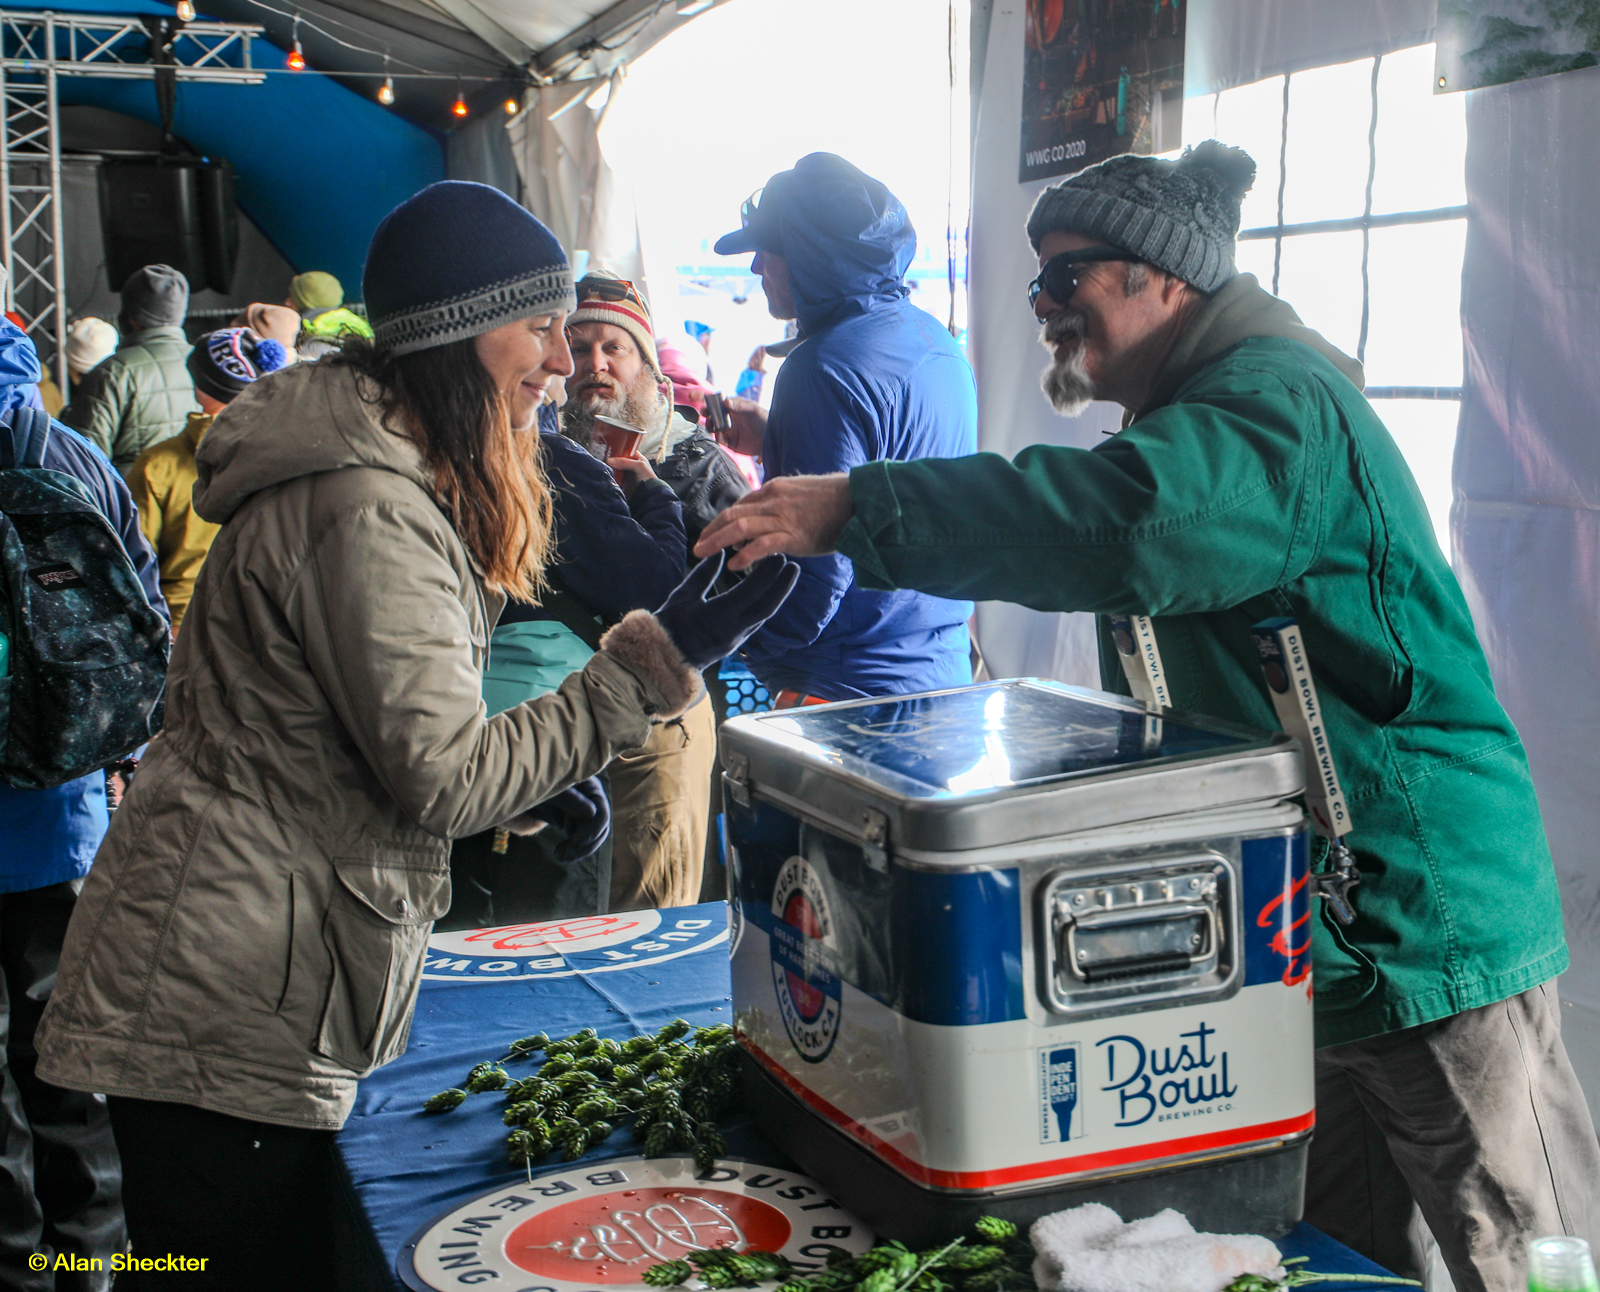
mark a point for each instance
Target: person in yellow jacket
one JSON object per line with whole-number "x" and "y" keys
{"x": 162, "y": 480}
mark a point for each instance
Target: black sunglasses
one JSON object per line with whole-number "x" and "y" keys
{"x": 1059, "y": 275}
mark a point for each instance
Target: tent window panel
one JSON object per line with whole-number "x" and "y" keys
{"x": 1414, "y": 337}
{"x": 1425, "y": 431}
{"x": 1320, "y": 275}
{"x": 1329, "y": 115}
{"x": 1255, "y": 257}
{"x": 1422, "y": 138}
{"x": 1251, "y": 117}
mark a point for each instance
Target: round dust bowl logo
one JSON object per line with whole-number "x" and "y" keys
{"x": 563, "y": 948}
{"x": 803, "y": 944}
{"x": 602, "y": 1225}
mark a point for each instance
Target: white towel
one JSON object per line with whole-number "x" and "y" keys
{"x": 1089, "y": 1249}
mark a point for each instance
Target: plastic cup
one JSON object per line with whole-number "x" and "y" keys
{"x": 1561, "y": 1264}
{"x": 620, "y": 439}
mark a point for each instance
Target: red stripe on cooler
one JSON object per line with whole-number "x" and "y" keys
{"x": 1061, "y": 1166}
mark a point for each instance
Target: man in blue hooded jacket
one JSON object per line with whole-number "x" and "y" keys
{"x": 873, "y": 378}
{"x": 60, "y": 1178}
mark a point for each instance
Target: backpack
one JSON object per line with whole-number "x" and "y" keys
{"x": 88, "y": 653}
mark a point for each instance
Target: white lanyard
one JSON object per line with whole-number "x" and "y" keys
{"x": 1294, "y": 697}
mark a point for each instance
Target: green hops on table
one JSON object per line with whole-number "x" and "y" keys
{"x": 524, "y": 1146}
{"x": 520, "y": 1114}
{"x": 656, "y": 1061}
{"x": 669, "y": 1274}
{"x": 639, "y": 1045}
{"x": 556, "y": 1064}
{"x": 610, "y": 1048}
{"x": 445, "y": 1100}
{"x": 974, "y": 1258}
{"x": 594, "y": 1109}
{"x": 569, "y": 1083}
{"x": 486, "y": 1076}
{"x": 528, "y": 1044}
{"x": 658, "y": 1140}
{"x": 994, "y": 1230}
{"x": 673, "y": 1031}
{"x": 599, "y": 1132}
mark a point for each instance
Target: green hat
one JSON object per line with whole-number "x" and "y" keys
{"x": 315, "y": 290}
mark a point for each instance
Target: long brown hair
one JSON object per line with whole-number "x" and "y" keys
{"x": 486, "y": 476}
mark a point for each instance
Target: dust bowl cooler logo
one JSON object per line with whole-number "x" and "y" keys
{"x": 803, "y": 978}
{"x": 602, "y": 1225}
{"x": 563, "y": 948}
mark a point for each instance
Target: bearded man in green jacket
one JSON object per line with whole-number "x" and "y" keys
{"x": 1251, "y": 481}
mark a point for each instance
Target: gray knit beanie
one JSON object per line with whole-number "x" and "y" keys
{"x": 1180, "y": 216}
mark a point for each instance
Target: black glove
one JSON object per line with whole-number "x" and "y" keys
{"x": 706, "y": 631}
{"x": 583, "y": 812}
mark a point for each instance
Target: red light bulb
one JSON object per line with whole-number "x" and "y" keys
{"x": 459, "y": 107}
{"x": 296, "y": 60}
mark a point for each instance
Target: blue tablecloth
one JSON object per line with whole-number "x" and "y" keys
{"x": 403, "y": 1167}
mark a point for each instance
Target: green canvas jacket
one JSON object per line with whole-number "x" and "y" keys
{"x": 1258, "y": 482}
{"x": 141, "y": 395}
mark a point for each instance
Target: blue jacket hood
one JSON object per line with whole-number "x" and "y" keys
{"x": 846, "y": 239}
{"x": 19, "y": 366}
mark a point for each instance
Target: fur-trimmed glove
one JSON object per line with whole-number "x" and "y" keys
{"x": 583, "y": 813}
{"x": 705, "y": 631}
{"x": 671, "y": 648}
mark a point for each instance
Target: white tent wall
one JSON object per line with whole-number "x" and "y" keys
{"x": 1526, "y": 520}
{"x": 1527, "y": 514}
{"x": 1004, "y": 348}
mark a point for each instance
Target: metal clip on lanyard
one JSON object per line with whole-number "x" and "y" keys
{"x": 1294, "y": 696}
{"x": 1135, "y": 639}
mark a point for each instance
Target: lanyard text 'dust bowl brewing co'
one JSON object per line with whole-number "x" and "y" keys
{"x": 1294, "y": 697}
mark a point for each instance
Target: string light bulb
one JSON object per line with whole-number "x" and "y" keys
{"x": 512, "y": 107}
{"x": 185, "y": 11}
{"x": 386, "y": 91}
{"x": 459, "y": 107}
{"x": 297, "y": 58}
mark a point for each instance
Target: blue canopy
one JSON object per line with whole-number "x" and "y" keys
{"x": 317, "y": 166}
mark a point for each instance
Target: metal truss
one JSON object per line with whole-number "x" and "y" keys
{"x": 35, "y": 50}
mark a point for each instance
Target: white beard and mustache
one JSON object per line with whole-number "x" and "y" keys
{"x": 640, "y": 406}
{"x": 1065, "y": 379}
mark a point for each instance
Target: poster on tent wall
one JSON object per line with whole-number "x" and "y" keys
{"x": 1492, "y": 42}
{"x": 1100, "y": 77}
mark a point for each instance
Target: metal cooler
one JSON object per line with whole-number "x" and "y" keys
{"x": 1009, "y": 948}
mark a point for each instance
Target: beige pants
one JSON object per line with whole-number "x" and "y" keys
{"x": 1477, "y": 1120}
{"x": 660, "y": 800}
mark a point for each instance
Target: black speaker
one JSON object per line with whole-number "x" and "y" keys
{"x": 176, "y": 211}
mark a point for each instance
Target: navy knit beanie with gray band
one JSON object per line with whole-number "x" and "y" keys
{"x": 458, "y": 260}
{"x": 1180, "y": 216}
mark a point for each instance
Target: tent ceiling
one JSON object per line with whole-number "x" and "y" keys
{"x": 494, "y": 47}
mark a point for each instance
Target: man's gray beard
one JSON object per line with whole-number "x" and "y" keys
{"x": 640, "y": 406}
{"x": 1065, "y": 379}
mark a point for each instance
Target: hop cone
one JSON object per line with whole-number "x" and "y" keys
{"x": 658, "y": 1140}
{"x": 487, "y": 1076}
{"x": 904, "y": 1267}
{"x": 878, "y": 1281}
{"x": 669, "y": 1274}
{"x": 639, "y": 1045}
{"x": 974, "y": 1258}
{"x": 518, "y": 1114}
{"x": 445, "y": 1100}
{"x": 839, "y": 1259}
{"x": 599, "y": 1132}
{"x": 528, "y": 1044}
{"x": 526, "y": 1146}
{"x": 994, "y": 1230}
{"x": 584, "y": 1034}
{"x": 673, "y": 1031}
{"x": 766, "y": 1265}
{"x": 593, "y": 1109}
{"x": 655, "y": 1061}
{"x": 795, "y": 1285}
{"x": 625, "y": 1074}
{"x": 720, "y": 1276}
{"x": 571, "y": 1082}
{"x": 587, "y": 1047}
{"x": 610, "y": 1048}
{"x": 704, "y": 1159}
{"x": 984, "y": 1281}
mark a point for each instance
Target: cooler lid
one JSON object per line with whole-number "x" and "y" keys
{"x": 1002, "y": 762}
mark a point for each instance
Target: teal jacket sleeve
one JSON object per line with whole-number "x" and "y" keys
{"x": 1203, "y": 503}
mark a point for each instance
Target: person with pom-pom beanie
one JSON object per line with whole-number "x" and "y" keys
{"x": 1252, "y": 480}
{"x": 163, "y": 477}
